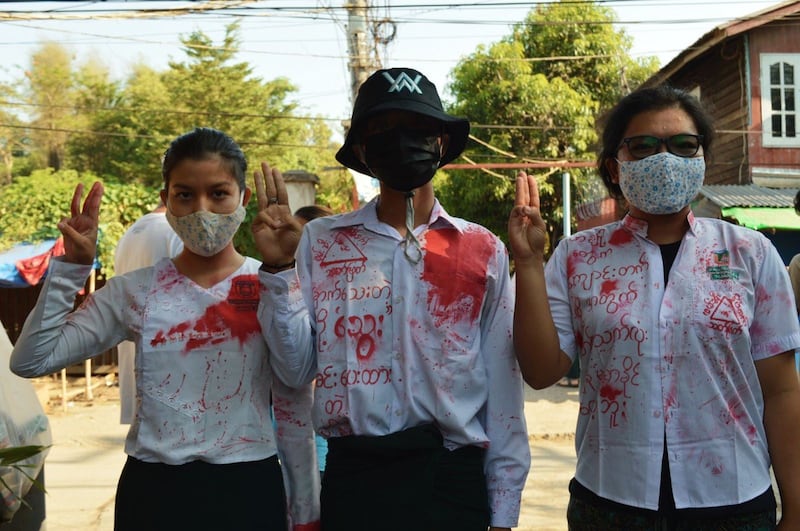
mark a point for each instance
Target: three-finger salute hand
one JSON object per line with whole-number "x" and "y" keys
{"x": 275, "y": 230}
{"x": 527, "y": 232}
{"x": 80, "y": 229}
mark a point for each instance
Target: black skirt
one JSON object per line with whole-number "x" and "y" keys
{"x": 247, "y": 496}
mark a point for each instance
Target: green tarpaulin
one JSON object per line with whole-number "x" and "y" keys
{"x": 764, "y": 217}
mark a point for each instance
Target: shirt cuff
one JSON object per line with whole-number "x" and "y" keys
{"x": 505, "y": 507}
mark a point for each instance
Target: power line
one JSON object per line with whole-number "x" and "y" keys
{"x": 168, "y": 111}
{"x": 164, "y": 138}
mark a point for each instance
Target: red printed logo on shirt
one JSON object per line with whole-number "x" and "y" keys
{"x": 244, "y": 294}
{"x": 724, "y": 313}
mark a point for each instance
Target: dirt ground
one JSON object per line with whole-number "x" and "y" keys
{"x": 84, "y": 463}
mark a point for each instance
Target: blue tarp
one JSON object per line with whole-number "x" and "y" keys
{"x": 10, "y": 276}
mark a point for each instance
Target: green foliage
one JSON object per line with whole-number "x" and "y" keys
{"x": 586, "y": 50}
{"x": 534, "y": 97}
{"x": 51, "y": 91}
{"x": 32, "y": 207}
{"x": 120, "y": 130}
{"x": 117, "y": 132}
{"x": 13, "y": 457}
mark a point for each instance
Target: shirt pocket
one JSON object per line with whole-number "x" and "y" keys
{"x": 451, "y": 320}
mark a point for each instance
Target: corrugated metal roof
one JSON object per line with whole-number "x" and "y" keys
{"x": 748, "y": 195}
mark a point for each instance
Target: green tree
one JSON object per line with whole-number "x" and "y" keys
{"x": 553, "y": 124}
{"x": 209, "y": 89}
{"x": 12, "y": 132}
{"x": 51, "y": 94}
{"x": 131, "y": 130}
{"x": 578, "y": 43}
{"x": 96, "y": 95}
{"x": 534, "y": 97}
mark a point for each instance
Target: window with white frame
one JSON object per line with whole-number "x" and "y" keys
{"x": 779, "y": 95}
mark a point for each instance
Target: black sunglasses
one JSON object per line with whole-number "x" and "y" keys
{"x": 683, "y": 145}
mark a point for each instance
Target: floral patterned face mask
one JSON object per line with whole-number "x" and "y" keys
{"x": 662, "y": 183}
{"x": 206, "y": 233}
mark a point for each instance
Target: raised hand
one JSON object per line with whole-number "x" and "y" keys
{"x": 80, "y": 230}
{"x": 527, "y": 232}
{"x": 275, "y": 230}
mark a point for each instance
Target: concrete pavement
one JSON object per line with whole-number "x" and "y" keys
{"x": 83, "y": 466}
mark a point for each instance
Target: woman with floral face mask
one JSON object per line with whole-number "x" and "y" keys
{"x": 685, "y": 328}
{"x": 202, "y": 451}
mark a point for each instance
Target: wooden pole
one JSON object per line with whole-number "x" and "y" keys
{"x": 63, "y": 389}
{"x": 88, "y": 363}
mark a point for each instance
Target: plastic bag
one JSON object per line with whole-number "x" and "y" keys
{"x": 22, "y": 423}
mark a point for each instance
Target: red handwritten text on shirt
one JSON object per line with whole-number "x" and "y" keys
{"x": 365, "y": 330}
{"x": 328, "y": 378}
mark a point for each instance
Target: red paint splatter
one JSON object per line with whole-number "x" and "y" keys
{"x": 762, "y": 295}
{"x": 571, "y": 267}
{"x": 236, "y": 315}
{"x": 455, "y": 267}
{"x": 609, "y": 286}
{"x": 610, "y": 393}
{"x": 620, "y": 237}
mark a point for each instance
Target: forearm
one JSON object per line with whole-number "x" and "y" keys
{"x": 47, "y": 342}
{"x": 781, "y": 391}
{"x": 535, "y": 336}
{"x": 285, "y": 323}
{"x": 298, "y": 451}
{"x": 782, "y": 423}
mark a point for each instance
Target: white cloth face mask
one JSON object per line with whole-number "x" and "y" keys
{"x": 662, "y": 183}
{"x": 206, "y": 233}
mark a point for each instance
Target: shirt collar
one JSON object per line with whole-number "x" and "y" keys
{"x": 639, "y": 226}
{"x": 368, "y": 217}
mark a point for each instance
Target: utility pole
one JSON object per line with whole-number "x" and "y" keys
{"x": 361, "y": 63}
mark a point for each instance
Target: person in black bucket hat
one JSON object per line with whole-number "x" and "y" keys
{"x": 402, "y": 314}
{"x": 401, "y": 89}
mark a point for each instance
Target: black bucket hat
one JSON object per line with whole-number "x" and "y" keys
{"x": 401, "y": 89}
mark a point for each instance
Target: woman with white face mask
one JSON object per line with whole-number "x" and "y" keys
{"x": 202, "y": 451}
{"x": 685, "y": 328}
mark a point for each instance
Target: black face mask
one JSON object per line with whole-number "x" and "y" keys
{"x": 402, "y": 158}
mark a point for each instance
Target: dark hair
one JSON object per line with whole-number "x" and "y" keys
{"x": 661, "y": 97}
{"x": 312, "y": 212}
{"x": 797, "y": 203}
{"x": 201, "y": 144}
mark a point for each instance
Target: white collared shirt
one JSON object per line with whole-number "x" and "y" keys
{"x": 394, "y": 344}
{"x": 675, "y": 359}
{"x": 203, "y": 377}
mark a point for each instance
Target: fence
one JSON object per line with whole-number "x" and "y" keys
{"x": 17, "y": 303}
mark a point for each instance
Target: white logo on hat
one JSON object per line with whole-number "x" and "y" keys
{"x": 403, "y": 81}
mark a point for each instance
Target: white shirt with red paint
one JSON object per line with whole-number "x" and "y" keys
{"x": 203, "y": 377}
{"x": 675, "y": 359}
{"x": 393, "y": 344}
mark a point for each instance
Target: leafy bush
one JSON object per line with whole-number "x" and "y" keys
{"x": 32, "y": 206}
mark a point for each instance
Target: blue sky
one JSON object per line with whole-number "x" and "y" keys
{"x": 306, "y": 44}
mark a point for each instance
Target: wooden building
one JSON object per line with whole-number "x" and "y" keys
{"x": 747, "y": 72}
